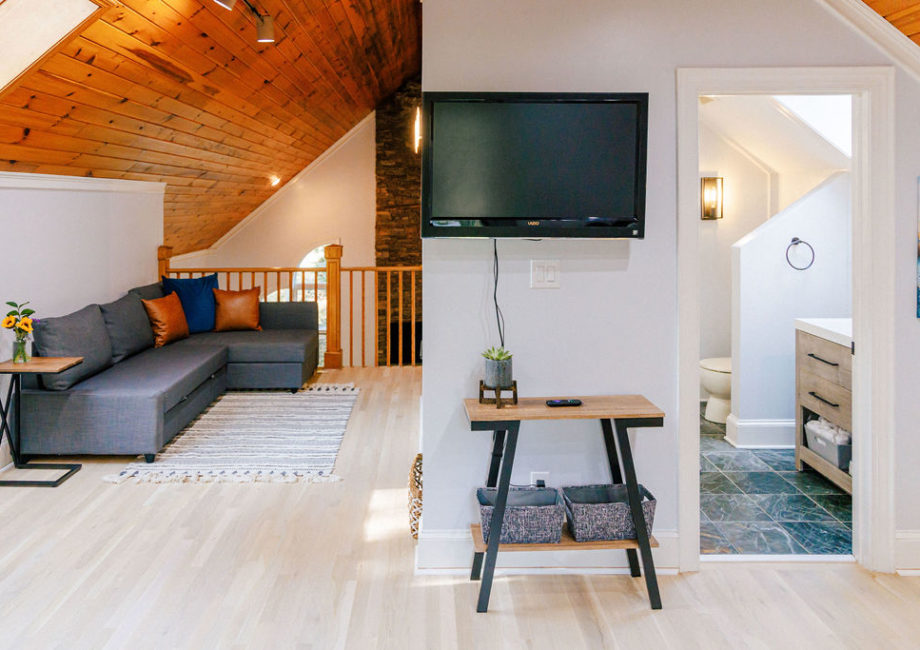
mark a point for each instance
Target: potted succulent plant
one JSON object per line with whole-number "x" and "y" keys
{"x": 498, "y": 368}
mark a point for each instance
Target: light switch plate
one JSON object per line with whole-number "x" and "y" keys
{"x": 544, "y": 274}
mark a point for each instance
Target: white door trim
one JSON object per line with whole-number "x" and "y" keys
{"x": 873, "y": 288}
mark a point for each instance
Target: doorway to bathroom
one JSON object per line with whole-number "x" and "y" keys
{"x": 871, "y": 268}
{"x": 775, "y": 265}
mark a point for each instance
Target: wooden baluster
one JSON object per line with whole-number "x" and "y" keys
{"x": 264, "y": 286}
{"x": 333, "y": 358}
{"x": 412, "y": 360}
{"x": 277, "y": 286}
{"x": 399, "y": 328}
{"x": 363, "y": 311}
{"x": 291, "y": 286}
{"x": 389, "y": 286}
{"x": 351, "y": 318}
{"x": 316, "y": 288}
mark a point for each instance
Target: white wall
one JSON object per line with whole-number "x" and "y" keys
{"x": 32, "y": 27}
{"x": 768, "y": 295}
{"x": 66, "y": 242}
{"x": 746, "y": 205}
{"x": 613, "y": 325}
{"x": 333, "y": 200}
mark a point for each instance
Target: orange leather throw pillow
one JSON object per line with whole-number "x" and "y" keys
{"x": 167, "y": 319}
{"x": 237, "y": 310}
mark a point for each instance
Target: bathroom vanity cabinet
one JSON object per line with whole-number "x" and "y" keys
{"x": 823, "y": 387}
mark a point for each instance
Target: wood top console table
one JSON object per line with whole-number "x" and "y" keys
{"x": 616, "y": 413}
{"x": 10, "y": 416}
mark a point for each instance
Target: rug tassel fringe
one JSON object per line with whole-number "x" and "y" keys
{"x": 176, "y": 477}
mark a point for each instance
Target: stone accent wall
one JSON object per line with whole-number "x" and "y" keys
{"x": 398, "y": 204}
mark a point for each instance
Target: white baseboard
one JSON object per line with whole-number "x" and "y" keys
{"x": 907, "y": 552}
{"x": 450, "y": 552}
{"x": 760, "y": 434}
{"x": 777, "y": 559}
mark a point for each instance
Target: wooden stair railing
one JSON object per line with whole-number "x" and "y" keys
{"x": 343, "y": 304}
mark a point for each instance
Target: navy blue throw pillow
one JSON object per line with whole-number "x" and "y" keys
{"x": 197, "y": 298}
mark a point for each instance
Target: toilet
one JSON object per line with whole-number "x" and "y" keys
{"x": 716, "y": 377}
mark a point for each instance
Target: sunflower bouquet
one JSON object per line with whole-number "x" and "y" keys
{"x": 19, "y": 320}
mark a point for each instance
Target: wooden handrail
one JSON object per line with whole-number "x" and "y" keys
{"x": 392, "y": 299}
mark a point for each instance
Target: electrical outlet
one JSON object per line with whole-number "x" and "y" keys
{"x": 539, "y": 476}
{"x": 544, "y": 274}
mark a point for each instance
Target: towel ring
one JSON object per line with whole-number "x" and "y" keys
{"x": 795, "y": 242}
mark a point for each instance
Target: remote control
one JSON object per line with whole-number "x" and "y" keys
{"x": 563, "y": 402}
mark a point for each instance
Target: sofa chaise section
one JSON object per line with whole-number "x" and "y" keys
{"x": 284, "y": 354}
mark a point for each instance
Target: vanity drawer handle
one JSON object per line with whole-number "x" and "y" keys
{"x": 821, "y": 399}
{"x": 816, "y": 357}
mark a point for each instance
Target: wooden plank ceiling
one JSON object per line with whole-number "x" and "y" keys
{"x": 903, "y": 14}
{"x": 179, "y": 91}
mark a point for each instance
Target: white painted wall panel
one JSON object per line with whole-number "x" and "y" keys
{"x": 613, "y": 324}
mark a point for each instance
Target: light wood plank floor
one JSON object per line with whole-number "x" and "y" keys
{"x": 329, "y": 565}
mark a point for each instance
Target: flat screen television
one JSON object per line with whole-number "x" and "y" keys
{"x": 534, "y": 165}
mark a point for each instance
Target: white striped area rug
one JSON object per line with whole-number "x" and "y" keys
{"x": 256, "y": 436}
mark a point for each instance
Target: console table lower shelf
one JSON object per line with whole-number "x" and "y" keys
{"x": 567, "y": 543}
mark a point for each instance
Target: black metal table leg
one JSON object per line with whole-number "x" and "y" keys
{"x": 498, "y": 448}
{"x": 635, "y": 505}
{"x": 12, "y": 431}
{"x": 617, "y": 477}
{"x": 498, "y": 515}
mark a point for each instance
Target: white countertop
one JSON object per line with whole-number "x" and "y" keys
{"x": 836, "y": 330}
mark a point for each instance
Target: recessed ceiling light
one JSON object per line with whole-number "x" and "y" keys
{"x": 274, "y": 180}
{"x": 226, "y": 4}
{"x": 265, "y": 29}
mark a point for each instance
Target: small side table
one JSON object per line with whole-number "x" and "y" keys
{"x": 10, "y": 415}
{"x": 616, "y": 413}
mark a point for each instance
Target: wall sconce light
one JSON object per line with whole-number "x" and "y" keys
{"x": 418, "y": 129}
{"x": 711, "y": 197}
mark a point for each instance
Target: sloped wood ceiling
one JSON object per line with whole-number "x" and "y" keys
{"x": 179, "y": 91}
{"x": 903, "y": 14}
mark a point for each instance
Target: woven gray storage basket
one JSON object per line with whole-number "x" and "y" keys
{"x": 532, "y": 515}
{"x": 601, "y": 512}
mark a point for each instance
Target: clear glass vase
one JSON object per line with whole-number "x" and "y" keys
{"x": 20, "y": 351}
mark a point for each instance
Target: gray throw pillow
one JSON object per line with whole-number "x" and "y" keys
{"x": 80, "y": 334}
{"x": 149, "y": 291}
{"x": 128, "y": 326}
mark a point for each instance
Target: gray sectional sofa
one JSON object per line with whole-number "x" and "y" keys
{"x": 132, "y": 398}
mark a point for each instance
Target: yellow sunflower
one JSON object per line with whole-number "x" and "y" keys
{"x": 25, "y": 324}
{"x": 8, "y": 322}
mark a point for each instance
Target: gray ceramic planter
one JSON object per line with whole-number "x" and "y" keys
{"x": 498, "y": 373}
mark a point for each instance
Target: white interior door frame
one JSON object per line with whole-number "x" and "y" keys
{"x": 874, "y": 297}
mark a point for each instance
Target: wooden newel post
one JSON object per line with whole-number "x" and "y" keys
{"x": 163, "y": 255}
{"x": 333, "y": 358}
